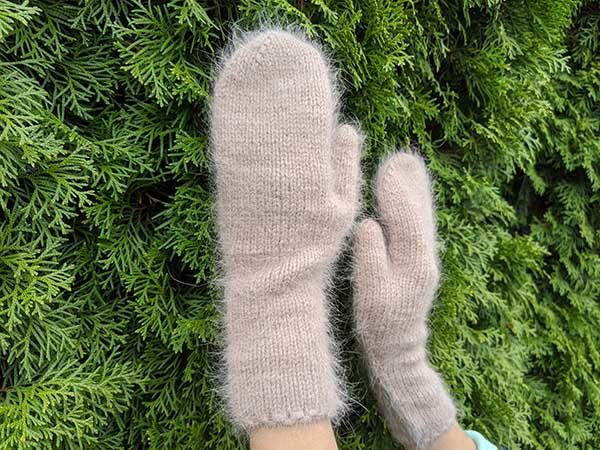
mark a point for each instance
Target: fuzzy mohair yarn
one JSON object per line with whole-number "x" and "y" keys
{"x": 287, "y": 177}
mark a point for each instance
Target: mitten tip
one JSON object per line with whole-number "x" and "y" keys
{"x": 401, "y": 165}
{"x": 273, "y": 51}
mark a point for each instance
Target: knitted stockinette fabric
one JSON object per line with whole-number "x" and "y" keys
{"x": 287, "y": 178}
{"x": 396, "y": 277}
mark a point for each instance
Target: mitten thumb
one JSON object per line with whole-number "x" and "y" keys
{"x": 370, "y": 250}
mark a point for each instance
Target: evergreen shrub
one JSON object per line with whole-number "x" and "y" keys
{"x": 109, "y": 332}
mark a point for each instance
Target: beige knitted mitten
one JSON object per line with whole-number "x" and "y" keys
{"x": 287, "y": 193}
{"x": 396, "y": 277}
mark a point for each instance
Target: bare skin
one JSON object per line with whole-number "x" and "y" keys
{"x": 453, "y": 439}
{"x": 314, "y": 436}
{"x": 319, "y": 436}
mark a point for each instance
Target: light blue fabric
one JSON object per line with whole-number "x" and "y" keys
{"x": 481, "y": 442}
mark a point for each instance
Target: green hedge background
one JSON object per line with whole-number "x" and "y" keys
{"x": 108, "y": 310}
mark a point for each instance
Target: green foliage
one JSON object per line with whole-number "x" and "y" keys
{"x": 109, "y": 330}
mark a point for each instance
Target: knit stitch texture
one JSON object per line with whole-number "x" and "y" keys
{"x": 396, "y": 277}
{"x": 287, "y": 193}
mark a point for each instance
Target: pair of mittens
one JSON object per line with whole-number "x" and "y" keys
{"x": 288, "y": 183}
